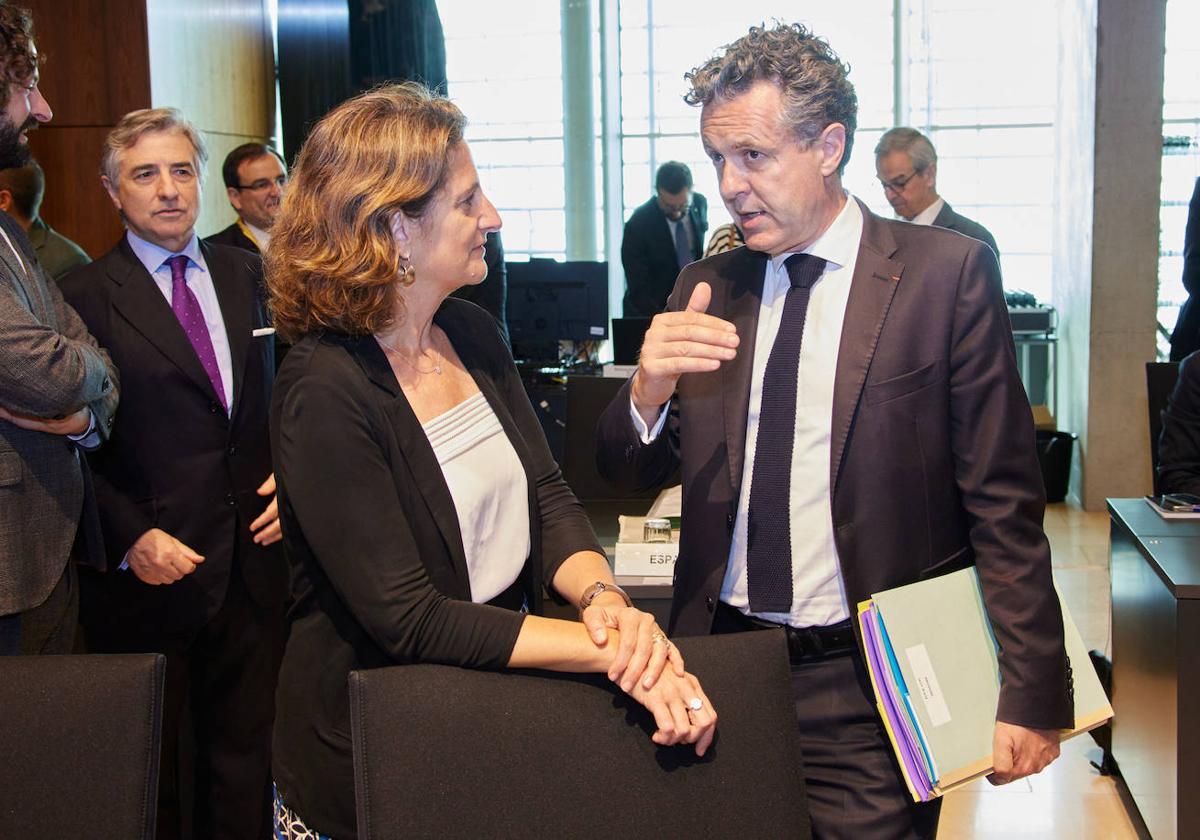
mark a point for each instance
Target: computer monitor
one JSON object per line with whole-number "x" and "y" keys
{"x": 628, "y": 335}
{"x": 551, "y": 301}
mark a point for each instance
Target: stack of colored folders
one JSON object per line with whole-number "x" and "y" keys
{"x": 933, "y": 664}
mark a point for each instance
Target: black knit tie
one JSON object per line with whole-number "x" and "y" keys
{"x": 768, "y": 518}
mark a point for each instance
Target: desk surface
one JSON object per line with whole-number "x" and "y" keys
{"x": 603, "y": 515}
{"x": 1172, "y": 546}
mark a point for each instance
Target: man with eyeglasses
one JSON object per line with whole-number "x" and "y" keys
{"x": 906, "y": 164}
{"x": 661, "y": 237}
{"x": 255, "y": 177}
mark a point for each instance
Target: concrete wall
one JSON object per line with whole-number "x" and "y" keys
{"x": 1130, "y": 42}
{"x": 1075, "y": 141}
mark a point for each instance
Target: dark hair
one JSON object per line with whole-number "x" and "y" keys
{"x": 243, "y": 153}
{"x": 17, "y": 59}
{"x": 673, "y": 177}
{"x": 334, "y": 263}
{"x": 26, "y": 184}
{"x": 813, "y": 80}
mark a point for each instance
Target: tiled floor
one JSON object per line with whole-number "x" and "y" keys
{"x": 1069, "y": 799}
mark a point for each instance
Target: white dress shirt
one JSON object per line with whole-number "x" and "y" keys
{"x": 262, "y": 238}
{"x": 200, "y": 282}
{"x": 818, "y": 591}
{"x": 926, "y": 216}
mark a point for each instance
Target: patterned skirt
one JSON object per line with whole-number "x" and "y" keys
{"x": 289, "y": 826}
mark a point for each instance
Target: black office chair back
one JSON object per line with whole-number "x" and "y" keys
{"x": 1160, "y": 383}
{"x": 79, "y": 745}
{"x": 451, "y": 752}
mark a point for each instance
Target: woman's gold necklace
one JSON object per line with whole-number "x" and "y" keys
{"x": 437, "y": 367}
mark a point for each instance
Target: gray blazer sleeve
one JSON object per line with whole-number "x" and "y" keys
{"x": 50, "y": 366}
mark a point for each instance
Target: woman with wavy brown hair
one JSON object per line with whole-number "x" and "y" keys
{"x": 422, "y": 511}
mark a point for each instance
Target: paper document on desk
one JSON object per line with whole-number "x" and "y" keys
{"x": 668, "y": 505}
{"x": 932, "y": 661}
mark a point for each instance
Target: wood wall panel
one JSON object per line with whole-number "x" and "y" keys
{"x": 75, "y": 204}
{"x": 214, "y": 60}
{"x": 97, "y": 67}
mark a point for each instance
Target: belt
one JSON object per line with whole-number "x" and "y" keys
{"x": 805, "y": 644}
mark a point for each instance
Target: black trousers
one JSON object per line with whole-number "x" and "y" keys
{"x": 855, "y": 788}
{"x": 218, "y": 709}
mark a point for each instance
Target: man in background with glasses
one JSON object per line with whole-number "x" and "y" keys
{"x": 661, "y": 237}
{"x": 906, "y": 164}
{"x": 255, "y": 177}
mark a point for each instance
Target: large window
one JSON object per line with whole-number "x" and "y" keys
{"x": 1181, "y": 155}
{"x": 661, "y": 40}
{"x": 505, "y": 72}
{"x": 946, "y": 67}
{"x": 990, "y": 116}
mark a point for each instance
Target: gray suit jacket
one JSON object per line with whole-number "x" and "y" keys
{"x": 49, "y": 367}
{"x": 947, "y": 218}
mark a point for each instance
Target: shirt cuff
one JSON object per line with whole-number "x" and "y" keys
{"x": 646, "y": 435}
{"x": 89, "y": 439}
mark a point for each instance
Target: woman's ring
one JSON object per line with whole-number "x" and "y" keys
{"x": 659, "y": 638}
{"x": 695, "y": 704}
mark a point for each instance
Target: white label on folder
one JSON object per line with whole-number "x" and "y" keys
{"x": 927, "y": 685}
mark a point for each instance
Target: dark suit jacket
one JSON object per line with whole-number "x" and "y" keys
{"x": 932, "y": 457}
{"x": 50, "y": 366}
{"x": 1179, "y": 443}
{"x": 1185, "y": 339}
{"x": 55, "y": 252}
{"x": 648, "y": 255}
{"x": 175, "y": 461}
{"x": 379, "y": 573}
{"x": 234, "y": 238}
{"x": 947, "y": 218}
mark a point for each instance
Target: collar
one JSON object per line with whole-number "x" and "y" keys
{"x": 838, "y": 245}
{"x": 926, "y": 216}
{"x": 153, "y": 256}
{"x": 38, "y": 232}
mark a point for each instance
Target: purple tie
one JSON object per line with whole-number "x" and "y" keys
{"x": 191, "y": 318}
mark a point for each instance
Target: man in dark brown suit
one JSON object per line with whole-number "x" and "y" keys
{"x": 842, "y": 397}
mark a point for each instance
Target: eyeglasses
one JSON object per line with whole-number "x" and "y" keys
{"x": 263, "y": 184}
{"x": 898, "y": 184}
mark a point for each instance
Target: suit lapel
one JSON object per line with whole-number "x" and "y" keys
{"x": 235, "y": 294}
{"x": 698, "y": 244}
{"x": 876, "y": 277}
{"x": 422, "y": 462}
{"x": 20, "y": 277}
{"x": 140, "y": 303}
{"x": 740, "y": 294}
{"x": 945, "y": 216}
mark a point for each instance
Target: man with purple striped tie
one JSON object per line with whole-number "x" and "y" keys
{"x": 185, "y": 487}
